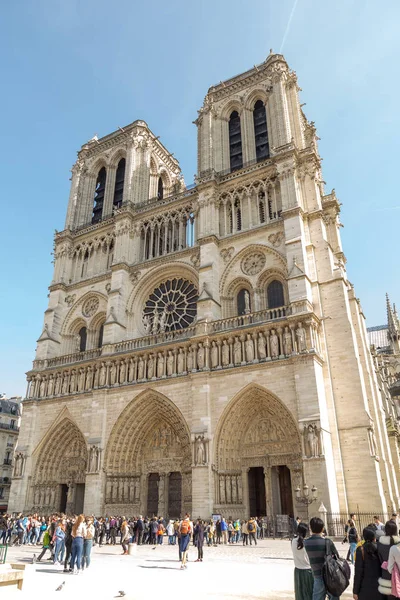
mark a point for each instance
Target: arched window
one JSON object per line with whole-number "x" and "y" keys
{"x": 235, "y": 142}
{"x": 243, "y": 302}
{"x": 85, "y": 264}
{"x": 100, "y": 338}
{"x": 119, "y": 184}
{"x": 275, "y": 295}
{"x": 99, "y": 195}
{"x": 260, "y": 131}
{"x": 82, "y": 339}
{"x": 160, "y": 189}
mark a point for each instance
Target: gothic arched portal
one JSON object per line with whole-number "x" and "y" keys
{"x": 59, "y": 481}
{"x": 257, "y": 455}
{"x": 148, "y": 459}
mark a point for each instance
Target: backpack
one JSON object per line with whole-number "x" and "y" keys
{"x": 250, "y": 527}
{"x": 335, "y": 572}
{"x": 185, "y": 527}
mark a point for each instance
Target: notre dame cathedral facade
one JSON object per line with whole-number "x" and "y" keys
{"x": 203, "y": 348}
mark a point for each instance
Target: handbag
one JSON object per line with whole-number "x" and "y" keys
{"x": 396, "y": 581}
{"x": 335, "y": 571}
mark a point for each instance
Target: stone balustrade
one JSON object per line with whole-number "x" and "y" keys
{"x": 209, "y": 350}
{"x": 67, "y": 359}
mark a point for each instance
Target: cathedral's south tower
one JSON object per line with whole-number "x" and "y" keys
{"x": 203, "y": 349}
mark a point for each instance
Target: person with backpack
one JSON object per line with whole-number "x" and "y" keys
{"x": 185, "y": 531}
{"x": 367, "y": 569}
{"x": 160, "y": 533}
{"x": 303, "y": 577}
{"x": 46, "y": 545}
{"x": 252, "y": 529}
{"x": 245, "y": 533}
{"x": 317, "y": 548}
{"x": 385, "y": 543}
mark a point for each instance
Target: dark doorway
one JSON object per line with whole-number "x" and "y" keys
{"x": 257, "y": 500}
{"x": 285, "y": 488}
{"x": 152, "y": 495}
{"x": 79, "y": 498}
{"x": 174, "y": 495}
{"x": 63, "y": 500}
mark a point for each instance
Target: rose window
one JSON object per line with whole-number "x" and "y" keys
{"x": 172, "y": 305}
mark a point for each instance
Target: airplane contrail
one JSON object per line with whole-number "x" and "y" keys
{"x": 288, "y": 25}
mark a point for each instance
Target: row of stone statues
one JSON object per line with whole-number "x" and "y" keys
{"x": 230, "y": 489}
{"x": 233, "y": 351}
{"x": 122, "y": 489}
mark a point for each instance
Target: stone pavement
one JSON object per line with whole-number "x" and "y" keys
{"x": 227, "y": 573}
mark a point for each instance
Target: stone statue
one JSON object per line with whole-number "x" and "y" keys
{"x": 249, "y": 348}
{"x": 93, "y": 459}
{"x": 147, "y": 324}
{"x": 274, "y": 341}
{"x": 234, "y": 489}
{"x": 156, "y": 321}
{"x": 160, "y": 365}
{"x": 96, "y": 375}
{"x": 246, "y": 302}
{"x": 200, "y": 451}
{"x": 214, "y": 355}
{"x": 200, "y": 356}
{"x": 222, "y": 489}
{"x": 163, "y": 321}
{"x": 72, "y": 381}
{"x": 287, "y": 342}
{"x": 237, "y": 351}
{"x": 141, "y": 368}
{"x": 122, "y": 372}
{"x": 189, "y": 360}
{"x": 42, "y": 388}
{"x": 18, "y": 465}
{"x": 261, "y": 345}
{"x": 131, "y": 371}
{"x": 225, "y": 353}
{"x": 64, "y": 389}
{"x": 170, "y": 363}
{"x": 311, "y": 443}
{"x": 50, "y": 386}
{"x": 89, "y": 378}
{"x": 181, "y": 360}
{"x": 103, "y": 374}
{"x": 301, "y": 338}
{"x": 81, "y": 380}
{"x": 57, "y": 387}
{"x": 113, "y": 374}
{"x": 150, "y": 367}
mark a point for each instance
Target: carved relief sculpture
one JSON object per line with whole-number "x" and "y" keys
{"x": 249, "y": 349}
{"x": 200, "y": 356}
{"x": 225, "y": 353}
{"x": 261, "y": 345}
{"x": 160, "y": 365}
{"x": 103, "y": 373}
{"x": 301, "y": 338}
{"x": 200, "y": 450}
{"x": 170, "y": 363}
{"x": 287, "y": 342}
{"x": 312, "y": 436}
{"x": 181, "y": 359}
{"x": 237, "y": 351}
{"x": 274, "y": 341}
{"x": 214, "y": 355}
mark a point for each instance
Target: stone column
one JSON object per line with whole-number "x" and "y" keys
{"x": 245, "y": 491}
{"x": 162, "y": 494}
{"x": 268, "y": 490}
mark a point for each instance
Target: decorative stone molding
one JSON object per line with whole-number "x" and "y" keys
{"x": 90, "y": 306}
{"x": 227, "y": 253}
{"x": 253, "y": 263}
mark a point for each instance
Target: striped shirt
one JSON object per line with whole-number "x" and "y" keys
{"x": 315, "y": 548}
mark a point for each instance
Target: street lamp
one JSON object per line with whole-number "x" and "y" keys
{"x": 305, "y": 498}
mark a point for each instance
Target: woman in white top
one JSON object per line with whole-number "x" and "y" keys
{"x": 303, "y": 577}
{"x": 78, "y": 534}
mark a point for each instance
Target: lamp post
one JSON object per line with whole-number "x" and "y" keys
{"x": 306, "y": 498}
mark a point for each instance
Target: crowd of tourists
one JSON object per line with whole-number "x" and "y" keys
{"x": 375, "y": 555}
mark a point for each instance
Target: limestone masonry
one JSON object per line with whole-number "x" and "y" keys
{"x": 203, "y": 349}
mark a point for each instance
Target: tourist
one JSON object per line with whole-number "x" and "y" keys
{"x": 303, "y": 577}
{"x": 21, "y": 530}
{"x": 378, "y": 524}
{"x": 252, "y": 529}
{"x": 236, "y": 526}
{"x": 87, "y": 543}
{"x": 45, "y": 546}
{"x": 78, "y": 533}
{"x": 245, "y": 533}
{"x": 171, "y": 533}
{"x": 102, "y": 531}
{"x": 153, "y": 531}
{"x": 394, "y": 560}
{"x": 353, "y": 538}
{"x": 124, "y": 536}
{"x": 315, "y": 547}
{"x": 346, "y": 529}
{"x": 113, "y": 530}
{"x": 139, "y": 527}
{"x": 231, "y": 532}
{"x": 385, "y": 542}
{"x": 160, "y": 533}
{"x": 218, "y": 531}
{"x": 59, "y": 543}
{"x": 224, "y": 530}
{"x": 199, "y": 533}
{"x": 367, "y": 568}
{"x": 185, "y": 530}
{"x": 3, "y": 529}
{"x": 68, "y": 545}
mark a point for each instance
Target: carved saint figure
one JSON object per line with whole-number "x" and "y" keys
{"x": 50, "y": 387}
{"x": 200, "y": 356}
{"x": 181, "y": 359}
{"x": 200, "y": 451}
{"x": 287, "y": 342}
{"x": 42, "y": 388}
{"x": 249, "y": 349}
{"x": 72, "y": 381}
{"x": 274, "y": 341}
{"x": 189, "y": 360}
{"x": 81, "y": 380}
{"x": 301, "y": 338}
{"x": 89, "y": 378}
{"x": 141, "y": 368}
{"x": 246, "y": 302}
{"x": 156, "y": 321}
{"x": 113, "y": 374}
{"x": 122, "y": 372}
{"x": 237, "y": 351}
{"x": 225, "y": 353}
{"x": 261, "y": 345}
{"x": 58, "y": 385}
{"x": 214, "y": 355}
{"x": 150, "y": 367}
{"x": 170, "y": 363}
{"x": 93, "y": 459}
{"x": 147, "y": 324}
{"x": 163, "y": 321}
{"x": 160, "y": 365}
{"x": 65, "y": 384}
{"x": 18, "y": 465}
{"x": 103, "y": 373}
{"x": 311, "y": 440}
{"x": 131, "y": 371}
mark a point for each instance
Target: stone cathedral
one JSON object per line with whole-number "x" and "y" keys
{"x": 203, "y": 348}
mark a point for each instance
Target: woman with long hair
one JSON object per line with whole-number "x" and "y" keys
{"x": 367, "y": 569}
{"x": 78, "y": 534}
{"x": 385, "y": 542}
{"x": 124, "y": 536}
{"x": 303, "y": 577}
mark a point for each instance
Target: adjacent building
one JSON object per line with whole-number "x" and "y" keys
{"x": 203, "y": 348}
{"x": 10, "y": 416}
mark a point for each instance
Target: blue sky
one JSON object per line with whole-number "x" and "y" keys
{"x": 71, "y": 69}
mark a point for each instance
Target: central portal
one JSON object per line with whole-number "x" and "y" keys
{"x": 257, "y": 500}
{"x": 174, "y": 495}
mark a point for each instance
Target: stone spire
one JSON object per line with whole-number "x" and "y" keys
{"x": 393, "y": 325}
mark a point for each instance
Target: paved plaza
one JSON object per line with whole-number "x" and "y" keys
{"x": 227, "y": 573}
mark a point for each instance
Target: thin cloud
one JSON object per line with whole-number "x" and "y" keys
{"x": 288, "y": 26}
